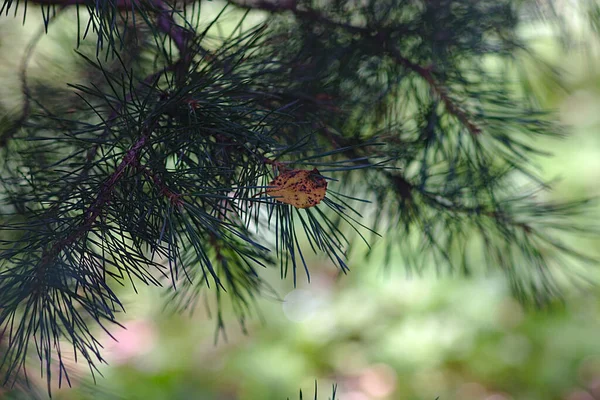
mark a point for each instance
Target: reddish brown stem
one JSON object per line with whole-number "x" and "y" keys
{"x": 131, "y": 158}
{"x": 180, "y": 36}
{"x": 115, "y": 113}
{"x": 438, "y": 89}
{"x": 308, "y": 14}
{"x": 164, "y": 19}
{"x": 172, "y": 196}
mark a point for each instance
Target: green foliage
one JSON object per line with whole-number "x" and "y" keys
{"x": 153, "y": 170}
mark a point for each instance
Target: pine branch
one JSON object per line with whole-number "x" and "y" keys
{"x": 379, "y": 37}
{"x": 131, "y": 159}
{"x": 171, "y": 195}
{"x": 308, "y": 14}
{"x": 164, "y": 19}
{"x": 426, "y": 73}
{"x": 150, "y": 80}
{"x": 164, "y": 22}
{"x": 26, "y": 105}
{"x": 167, "y": 176}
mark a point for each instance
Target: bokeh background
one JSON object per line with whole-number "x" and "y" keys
{"x": 376, "y": 333}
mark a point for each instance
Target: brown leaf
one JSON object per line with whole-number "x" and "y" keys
{"x": 298, "y": 187}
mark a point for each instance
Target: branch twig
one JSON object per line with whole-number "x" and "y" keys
{"x": 26, "y": 106}
{"x": 438, "y": 89}
{"x": 131, "y": 158}
{"x": 180, "y": 37}
{"x": 172, "y": 196}
{"x": 379, "y": 38}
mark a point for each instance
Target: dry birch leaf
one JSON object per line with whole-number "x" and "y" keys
{"x": 298, "y": 187}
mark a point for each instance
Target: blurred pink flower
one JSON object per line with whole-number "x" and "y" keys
{"x": 378, "y": 380}
{"x": 355, "y": 395}
{"x": 138, "y": 338}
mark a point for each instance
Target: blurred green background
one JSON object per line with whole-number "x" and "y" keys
{"x": 375, "y": 332}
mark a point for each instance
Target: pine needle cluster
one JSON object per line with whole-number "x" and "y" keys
{"x": 154, "y": 169}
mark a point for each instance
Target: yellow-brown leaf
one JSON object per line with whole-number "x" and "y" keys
{"x": 299, "y": 187}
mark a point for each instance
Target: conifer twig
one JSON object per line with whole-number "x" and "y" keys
{"x": 179, "y": 35}
{"x": 172, "y": 168}
{"x": 91, "y": 153}
{"x": 26, "y": 106}
{"x": 438, "y": 89}
{"x": 171, "y": 195}
{"x": 380, "y": 41}
{"x": 130, "y": 159}
{"x": 164, "y": 22}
